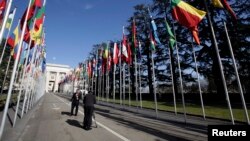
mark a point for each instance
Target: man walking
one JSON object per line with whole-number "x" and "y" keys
{"x": 89, "y": 100}
{"x": 75, "y": 101}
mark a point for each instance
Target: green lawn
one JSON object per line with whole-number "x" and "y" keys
{"x": 221, "y": 112}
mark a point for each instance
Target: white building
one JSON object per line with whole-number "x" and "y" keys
{"x": 54, "y": 74}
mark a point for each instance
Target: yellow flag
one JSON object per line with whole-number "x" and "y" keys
{"x": 217, "y": 3}
{"x": 37, "y": 35}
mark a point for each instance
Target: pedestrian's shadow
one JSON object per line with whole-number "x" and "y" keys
{"x": 74, "y": 123}
{"x": 65, "y": 113}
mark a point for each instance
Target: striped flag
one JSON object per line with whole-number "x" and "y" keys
{"x": 187, "y": 16}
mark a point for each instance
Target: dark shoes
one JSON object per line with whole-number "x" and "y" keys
{"x": 86, "y": 128}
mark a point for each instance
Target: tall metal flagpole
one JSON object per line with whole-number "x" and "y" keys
{"x": 154, "y": 85}
{"x": 129, "y": 99}
{"x": 219, "y": 61}
{"x": 198, "y": 80}
{"x": 114, "y": 54}
{"x": 172, "y": 79}
{"x": 120, "y": 69}
{"x": 6, "y": 41}
{"x": 6, "y": 73}
{"x": 114, "y": 83}
{"x": 136, "y": 84}
{"x": 124, "y": 84}
{"x": 180, "y": 75}
{"x": 140, "y": 78}
{"x": 4, "y": 22}
{"x": 103, "y": 88}
{"x": 14, "y": 70}
{"x": 28, "y": 87}
{"x": 21, "y": 84}
{"x": 237, "y": 75}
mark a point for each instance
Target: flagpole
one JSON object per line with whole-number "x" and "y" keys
{"x": 237, "y": 74}
{"x": 27, "y": 89}
{"x": 14, "y": 69}
{"x": 180, "y": 75}
{"x": 120, "y": 69}
{"x": 6, "y": 73}
{"x": 124, "y": 84}
{"x": 129, "y": 102}
{"x": 219, "y": 61}
{"x": 198, "y": 80}
{"x": 21, "y": 84}
{"x": 155, "y": 97}
{"x": 172, "y": 79}
{"x": 103, "y": 89}
{"x": 114, "y": 83}
{"x": 136, "y": 84}
{"x": 31, "y": 77}
{"x": 140, "y": 85}
{"x": 6, "y": 41}
{"x": 4, "y": 24}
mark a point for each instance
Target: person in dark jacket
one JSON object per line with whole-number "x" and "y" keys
{"x": 75, "y": 101}
{"x": 88, "y": 101}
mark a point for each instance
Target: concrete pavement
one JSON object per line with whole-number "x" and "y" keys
{"x": 50, "y": 120}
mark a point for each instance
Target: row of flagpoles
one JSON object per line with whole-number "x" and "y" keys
{"x": 28, "y": 50}
{"x": 98, "y": 68}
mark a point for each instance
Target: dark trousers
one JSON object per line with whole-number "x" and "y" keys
{"x": 73, "y": 105}
{"x": 88, "y": 112}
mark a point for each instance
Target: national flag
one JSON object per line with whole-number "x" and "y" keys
{"x": 170, "y": 34}
{"x": 109, "y": 62}
{"x": 187, "y": 16}
{"x": 106, "y": 52}
{"x": 224, "y": 4}
{"x": 129, "y": 58}
{"x": 217, "y": 3}
{"x": 39, "y": 18}
{"x": 154, "y": 30}
{"x": 34, "y": 4}
{"x": 2, "y": 9}
{"x": 124, "y": 48}
{"x": 152, "y": 42}
{"x": 115, "y": 53}
{"x": 134, "y": 41}
{"x": 9, "y": 20}
{"x": 14, "y": 38}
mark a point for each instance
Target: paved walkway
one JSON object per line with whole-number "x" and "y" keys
{"x": 50, "y": 120}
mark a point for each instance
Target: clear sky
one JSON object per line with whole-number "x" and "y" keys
{"x": 74, "y": 26}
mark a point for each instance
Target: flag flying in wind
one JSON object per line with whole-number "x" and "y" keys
{"x": 152, "y": 42}
{"x": 224, "y": 4}
{"x": 129, "y": 58}
{"x": 115, "y": 53}
{"x": 9, "y": 20}
{"x": 170, "y": 35}
{"x": 2, "y": 9}
{"x": 39, "y": 18}
{"x": 187, "y": 16}
{"x": 124, "y": 48}
{"x": 32, "y": 9}
{"x": 134, "y": 41}
{"x": 14, "y": 38}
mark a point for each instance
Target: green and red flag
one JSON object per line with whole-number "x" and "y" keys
{"x": 187, "y": 16}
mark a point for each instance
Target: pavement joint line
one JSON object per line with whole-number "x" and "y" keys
{"x": 103, "y": 126}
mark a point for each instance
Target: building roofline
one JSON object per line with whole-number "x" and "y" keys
{"x": 57, "y": 65}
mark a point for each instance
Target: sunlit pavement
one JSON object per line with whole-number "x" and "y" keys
{"x": 50, "y": 120}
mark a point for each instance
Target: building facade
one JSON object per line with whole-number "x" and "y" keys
{"x": 55, "y": 73}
